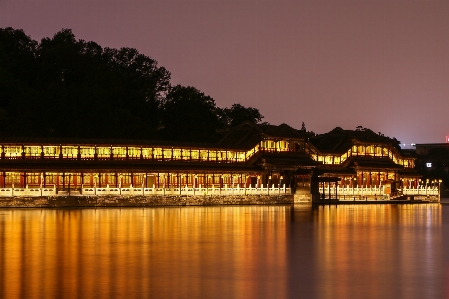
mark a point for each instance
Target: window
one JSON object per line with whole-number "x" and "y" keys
{"x": 87, "y": 152}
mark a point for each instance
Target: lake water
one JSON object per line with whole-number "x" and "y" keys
{"x": 357, "y": 251}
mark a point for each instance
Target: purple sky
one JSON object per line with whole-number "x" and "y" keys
{"x": 383, "y": 65}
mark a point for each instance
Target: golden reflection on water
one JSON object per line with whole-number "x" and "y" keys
{"x": 360, "y": 251}
{"x": 379, "y": 251}
{"x": 189, "y": 252}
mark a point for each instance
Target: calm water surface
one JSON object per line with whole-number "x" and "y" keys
{"x": 364, "y": 251}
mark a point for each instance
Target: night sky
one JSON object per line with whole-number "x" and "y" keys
{"x": 383, "y": 65}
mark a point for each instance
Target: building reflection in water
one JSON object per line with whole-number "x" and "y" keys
{"x": 370, "y": 251}
{"x": 189, "y": 252}
{"x": 362, "y": 251}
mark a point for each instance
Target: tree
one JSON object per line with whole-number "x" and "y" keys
{"x": 237, "y": 114}
{"x": 64, "y": 87}
{"x": 18, "y": 72}
{"x": 189, "y": 115}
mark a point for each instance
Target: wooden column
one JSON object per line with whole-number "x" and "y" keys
{"x": 78, "y": 156}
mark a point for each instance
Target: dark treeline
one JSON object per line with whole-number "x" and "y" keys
{"x": 64, "y": 87}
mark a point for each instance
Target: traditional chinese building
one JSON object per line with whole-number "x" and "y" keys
{"x": 366, "y": 161}
{"x": 254, "y": 158}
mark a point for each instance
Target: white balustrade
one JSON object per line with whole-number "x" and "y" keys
{"x": 5, "y": 192}
{"x": 117, "y": 191}
{"x": 377, "y": 191}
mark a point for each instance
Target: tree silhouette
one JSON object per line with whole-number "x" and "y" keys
{"x": 73, "y": 88}
{"x": 237, "y": 114}
{"x": 189, "y": 115}
{"x": 64, "y": 87}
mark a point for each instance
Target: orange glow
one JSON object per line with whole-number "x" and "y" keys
{"x": 161, "y": 253}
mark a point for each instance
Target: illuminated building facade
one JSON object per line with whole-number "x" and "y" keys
{"x": 253, "y": 158}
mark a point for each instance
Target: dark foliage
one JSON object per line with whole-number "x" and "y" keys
{"x": 63, "y": 87}
{"x": 237, "y": 114}
{"x": 189, "y": 115}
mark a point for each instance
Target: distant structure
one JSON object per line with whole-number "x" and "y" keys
{"x": 424, "y": 149}
{"x": 254, "y": 159}
{"x": 433, "y": 160}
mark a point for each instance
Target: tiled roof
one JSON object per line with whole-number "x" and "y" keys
{"x": 409, "y": 173}
{"x": 244, "y": 136}
{"x": 287, "y": 161}
{"x": 339, "y": 140}
{"x": 371, "y": 162}
{"x": 283, "y": 130}
{"x": 109, "y": 142}
{"x": 247, "y": 134}
{"x": 335, "y": 171}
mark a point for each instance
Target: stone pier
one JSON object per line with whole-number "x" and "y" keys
{"x": 142, "y": 201}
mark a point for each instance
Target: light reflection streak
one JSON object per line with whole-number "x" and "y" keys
{"x": 374, "y": 251}
{"x": 360, "y": 251}
{"x": 135, "y": 253}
